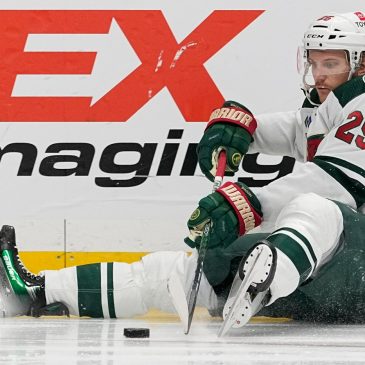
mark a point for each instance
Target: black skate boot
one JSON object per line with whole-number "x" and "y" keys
{"x": 250, "y": 289}
{"x": 21, "y": 292}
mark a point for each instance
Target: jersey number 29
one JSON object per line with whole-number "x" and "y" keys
{"x": 343, "y": 133}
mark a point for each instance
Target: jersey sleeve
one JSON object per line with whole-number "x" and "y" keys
{"x": 341, "y": 154}
{"x": 337, "y": 171}
{"x": 279, "y": 134}
{"x": 306, "y": 178}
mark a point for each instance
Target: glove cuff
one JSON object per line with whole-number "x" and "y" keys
{"x": 248, "y": 217}
{"x": 233, "y": 114}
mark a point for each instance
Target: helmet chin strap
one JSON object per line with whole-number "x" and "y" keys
{"x": 306, "y": 87}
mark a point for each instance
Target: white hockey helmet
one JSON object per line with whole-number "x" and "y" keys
{"x": 335, "y": 32}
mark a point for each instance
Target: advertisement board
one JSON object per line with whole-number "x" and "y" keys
{"x": 102, "y": 104}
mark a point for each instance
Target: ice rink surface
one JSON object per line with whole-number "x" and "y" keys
{"x": 70, "y": 341}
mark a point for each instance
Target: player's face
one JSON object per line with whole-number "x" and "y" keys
{"x": 329, "y": 69}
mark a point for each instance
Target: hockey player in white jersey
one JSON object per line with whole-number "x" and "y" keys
{"x": 307, "y": 212}
{"x": 328, "y": 135}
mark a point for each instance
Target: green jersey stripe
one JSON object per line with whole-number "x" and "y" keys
{"x": 349, "y": 90}
{"x": 89, "y": 290}
{"x": 315, "y": 136}
{"x": 104, "y": 291}
{"x": 295, "y": 252}
{"x": 110, "y": 290}
{"x": 302, "y": 239}
{"x": 353, "y": 186}
{"x": 343, "y": 163}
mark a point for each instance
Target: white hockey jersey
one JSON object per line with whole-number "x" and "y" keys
{"x": 334, "y": 170}
{"x": 329, "y": 140}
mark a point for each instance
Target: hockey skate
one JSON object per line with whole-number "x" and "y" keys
{"x": 19, "y": 288}
{"x": 21, "y": 292}
{"x": 250, "y": 289}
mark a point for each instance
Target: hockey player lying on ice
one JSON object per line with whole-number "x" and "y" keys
{"x": 312, "y": 264}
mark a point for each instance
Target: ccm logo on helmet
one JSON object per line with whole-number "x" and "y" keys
{"x": 315, "y": 35}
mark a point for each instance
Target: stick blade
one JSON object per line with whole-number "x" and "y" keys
{"x": 197, "y": 278}
{"x": 178, "y": 297}
{"x": 191, "y": 307}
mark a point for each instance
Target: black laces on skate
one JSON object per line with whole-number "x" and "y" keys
{"x": 28, "y": 276}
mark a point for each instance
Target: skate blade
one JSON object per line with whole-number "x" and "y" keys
{"x": 240, "y": 298}
{"x": 229, "y": 319}
{"x": 249, "y": 309}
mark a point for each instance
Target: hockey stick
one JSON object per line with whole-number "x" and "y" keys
{"x": 203, "y": 244}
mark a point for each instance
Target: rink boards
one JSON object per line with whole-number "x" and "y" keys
{"x": 102, "y": 105}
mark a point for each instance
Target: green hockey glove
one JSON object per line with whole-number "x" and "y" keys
{"x": 233, "y": 210}
{"x": 230, "y": 128}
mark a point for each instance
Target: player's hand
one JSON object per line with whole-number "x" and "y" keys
{"x": 233, "y": 210}
{"x": 230, "y": 128}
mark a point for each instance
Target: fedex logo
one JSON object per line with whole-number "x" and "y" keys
{"x": 66, "y": 65}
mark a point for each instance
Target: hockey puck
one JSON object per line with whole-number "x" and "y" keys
{"x": 137, "y": 332}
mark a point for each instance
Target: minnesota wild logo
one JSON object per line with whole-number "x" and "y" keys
{"x": 236, "y": 158}
{"x": 195, "y": 214}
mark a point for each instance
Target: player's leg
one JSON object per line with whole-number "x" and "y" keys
{"x": 308, "y": 232}
{"x": 337, "y": 292}
{"x": 221, "y": 265}
{"x": 123, "y": 290}
{"x": 101, "y": 289}
{"x": 306, "y": 237}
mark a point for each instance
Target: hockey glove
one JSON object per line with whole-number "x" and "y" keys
{"x": 233, "y": 210}
{"x": 230, "y": 128}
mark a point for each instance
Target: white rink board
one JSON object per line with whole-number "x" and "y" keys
{"x": 257, "y": 67}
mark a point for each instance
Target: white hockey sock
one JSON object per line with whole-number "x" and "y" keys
{"x": 123, "y": 290}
